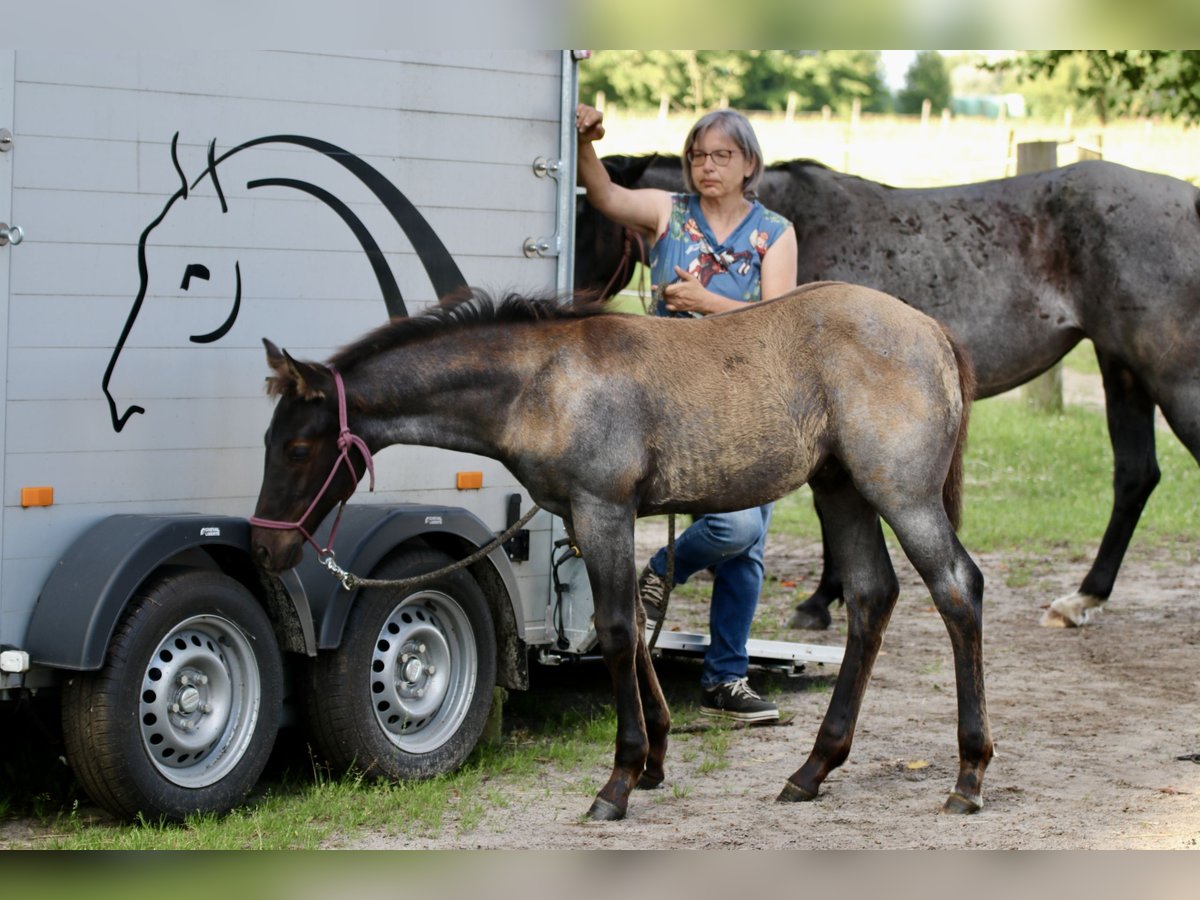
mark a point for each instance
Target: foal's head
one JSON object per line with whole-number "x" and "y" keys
{"x": 309, "y": 466}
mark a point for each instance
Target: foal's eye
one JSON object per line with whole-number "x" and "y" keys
{"x": 297, "y": 452}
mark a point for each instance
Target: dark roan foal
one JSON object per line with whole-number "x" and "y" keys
{"x": 1020, "y": 270}
{"x": 605, "y": 418}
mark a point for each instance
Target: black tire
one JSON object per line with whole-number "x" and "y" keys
{"x": 184, "y": 713}
{"x": 364, "y": 709}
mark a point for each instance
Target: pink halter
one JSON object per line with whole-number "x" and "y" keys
{"x": 346, "y": 440}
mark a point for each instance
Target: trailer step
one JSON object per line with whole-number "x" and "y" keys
{"x": 768, "y": 654}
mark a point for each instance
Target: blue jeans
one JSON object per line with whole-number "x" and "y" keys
{"x": 732, "y": 545}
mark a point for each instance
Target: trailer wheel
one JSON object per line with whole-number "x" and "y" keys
{"x": 408, "y": 692}
{"x": 184, "y": 713}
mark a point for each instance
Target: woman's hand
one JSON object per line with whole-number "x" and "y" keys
{"x": 689, "y": 295}
{"x": 589, "y": 123}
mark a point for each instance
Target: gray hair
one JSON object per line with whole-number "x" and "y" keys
{"x": 738, "y": 129}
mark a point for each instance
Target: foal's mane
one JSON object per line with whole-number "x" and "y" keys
{"x": 469, "y": 308}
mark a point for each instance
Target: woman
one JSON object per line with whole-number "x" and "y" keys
{"x": 713, "y": 249}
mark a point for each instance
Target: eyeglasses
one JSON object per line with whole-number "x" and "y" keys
{"x": 720, "y": 157}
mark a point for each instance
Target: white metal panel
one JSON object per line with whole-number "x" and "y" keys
{"x": 456, "y": 133}
{"x": 439, "y": 84}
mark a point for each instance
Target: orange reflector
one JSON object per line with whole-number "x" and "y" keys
{"x": 37, "y": 496}
{"x": 470, "y": 481}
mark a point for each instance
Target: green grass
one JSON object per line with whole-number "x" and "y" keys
{"x": 1037, "y": 479}
{"x": 307, "y": 808}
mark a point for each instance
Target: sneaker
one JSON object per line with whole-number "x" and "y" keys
{"x": 652, "y": 591}
{"x": 737, "y": 700}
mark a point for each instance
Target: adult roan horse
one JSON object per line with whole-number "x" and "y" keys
{"x": 604, "y": 418}
{"x": 1019, "y": 270}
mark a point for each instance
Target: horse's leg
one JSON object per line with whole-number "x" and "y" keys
{"x": 813, "y": 613}
{"x": 855, "y": 541}
{"x": 605, "y": 537}
{"x": 655, "y": 712}
{"x": 1130, "y": 414}
{"x": 956, "y": 585}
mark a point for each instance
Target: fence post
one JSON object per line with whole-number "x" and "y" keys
{"x": 1044, "y": 393}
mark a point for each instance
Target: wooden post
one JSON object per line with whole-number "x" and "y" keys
{"x": 791, "y": 107}
{"x": 664, "y": 106}
{"x": 926, "y": 111}
{"x": 1044, "y": 393}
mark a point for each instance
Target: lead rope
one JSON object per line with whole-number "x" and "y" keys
{"x": 350, "y": 581}
{"x": 670, "y": 582}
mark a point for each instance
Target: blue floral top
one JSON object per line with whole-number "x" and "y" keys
{"x": 732, "y": 269}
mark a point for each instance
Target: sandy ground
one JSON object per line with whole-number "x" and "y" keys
{"x": 1088, "y": 725}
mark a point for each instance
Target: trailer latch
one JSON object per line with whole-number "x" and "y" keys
{"x": 517, "y": 546}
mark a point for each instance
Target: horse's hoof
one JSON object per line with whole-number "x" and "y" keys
{"x": 961, "y": 804}
{"x": 793, "y": 793}
{"x": 648, "y": 782}
{"x": 817, "y": 619}
{"x": 603, "y": 811}
{"x": 1071, "y": 611}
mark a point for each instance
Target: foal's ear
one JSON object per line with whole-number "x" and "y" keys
{"x": 308, "y": 380}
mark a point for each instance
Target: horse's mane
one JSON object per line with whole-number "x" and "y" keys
{"x": 470, "y": 307}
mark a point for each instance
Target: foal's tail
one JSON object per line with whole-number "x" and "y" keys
{"x": 952, "y": 489}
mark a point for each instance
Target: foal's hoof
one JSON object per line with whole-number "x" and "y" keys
{"x": 793, "y": 793}
{"x": 603, "y": 811}
{"x": 961, "y": 804}
{"x": 810, "y": 618}
{"x": 648, "y": 782}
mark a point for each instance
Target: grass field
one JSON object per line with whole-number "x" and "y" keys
{"x": 1044, "y": 479}
{"x": 901, "y": 151}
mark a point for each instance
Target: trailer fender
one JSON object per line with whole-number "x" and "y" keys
{"x": 84, "y": 597}
{"x": 369, "y": 532}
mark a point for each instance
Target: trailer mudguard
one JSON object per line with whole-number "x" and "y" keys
{"x": 369, "y": 532}
{"x": 82, "y": 600}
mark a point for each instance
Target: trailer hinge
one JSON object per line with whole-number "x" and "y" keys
{"x": 543, "y": 167}
{"x": 544, "y": 246}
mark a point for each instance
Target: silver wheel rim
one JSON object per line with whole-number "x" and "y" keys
{"x": 199, "y": 701}
{"x": 423, "y": 672}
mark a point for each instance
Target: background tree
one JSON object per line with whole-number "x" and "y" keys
{"x": 927, "y": 78}
{"x": 836, "y": 78}
{"x": 1137, "y": 82}
{"x": 696, "y": 80}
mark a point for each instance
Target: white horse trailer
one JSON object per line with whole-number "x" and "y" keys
{"x": 160, "y": 215}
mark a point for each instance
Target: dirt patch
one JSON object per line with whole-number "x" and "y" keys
{"x": 1088, "y": 725}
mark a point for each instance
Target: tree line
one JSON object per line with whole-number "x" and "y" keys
{"x": 1091, "y": 83}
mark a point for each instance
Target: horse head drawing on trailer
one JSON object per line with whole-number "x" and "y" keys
{"x": 163, "y": 274}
